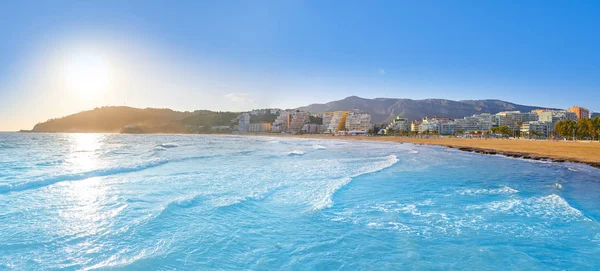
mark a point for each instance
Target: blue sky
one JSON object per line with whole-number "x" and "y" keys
{"x": 237, "y": 55}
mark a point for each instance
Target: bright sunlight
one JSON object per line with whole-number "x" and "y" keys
{"x": 88, "y": 73}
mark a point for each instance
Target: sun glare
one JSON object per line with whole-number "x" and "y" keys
{"x": 88, "y": 73}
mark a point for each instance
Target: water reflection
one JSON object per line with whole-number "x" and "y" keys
{"x": 83, "y": 153}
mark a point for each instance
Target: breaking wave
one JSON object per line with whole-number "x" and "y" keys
{"x": 296, "y": 152}
{"x": 319, "y": 147}
{"x": 332, "y": 186}
{"x": 46, "y": 181}
{"x": 498, "y": 191}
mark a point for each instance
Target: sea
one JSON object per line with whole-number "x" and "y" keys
{"x": 202, "y": 202}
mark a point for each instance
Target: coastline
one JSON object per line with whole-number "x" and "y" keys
{"x": 556, "y": 151}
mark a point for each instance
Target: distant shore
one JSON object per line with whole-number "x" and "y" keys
{"x": 557, "y": 151}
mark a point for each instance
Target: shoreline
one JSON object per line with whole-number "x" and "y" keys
{"x": 581, "y": 152}
{"x": 587, "y": 153}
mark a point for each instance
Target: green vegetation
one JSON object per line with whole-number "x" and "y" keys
{"x": 115, "y": 119}
{"x": 315, "y": 120}
{"x": 268, "y": 117}
{"x": 502, "y": 130}
{"x": 582, "y": 129}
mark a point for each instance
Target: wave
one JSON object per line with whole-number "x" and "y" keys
{"x": 46, "y": 181}
{"x": 296, "y": 152}
{"x": 319, "y": 147}
{"x": 335, "y": 185}
{"x": 551, "y": 207}
{"x": 498, "y": 191}
{"x": 413, "y": 151}
{"x": 167, "y": 145}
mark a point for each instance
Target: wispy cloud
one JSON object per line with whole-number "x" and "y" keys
{"x": 240, "y": 98}
{"x": 381, "y": 71}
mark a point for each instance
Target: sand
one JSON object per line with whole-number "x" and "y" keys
{"x": 580, "y": 151}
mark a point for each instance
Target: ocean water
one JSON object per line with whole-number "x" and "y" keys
{"x": 192, "y": 202}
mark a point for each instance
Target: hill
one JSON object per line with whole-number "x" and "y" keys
{"x": 385, "y": 109}
{"x": 113, "y": 119}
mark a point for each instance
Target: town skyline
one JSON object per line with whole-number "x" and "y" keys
{"x": 60, "y": 58}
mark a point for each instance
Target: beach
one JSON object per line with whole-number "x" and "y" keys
{"x": 560, "y": 151}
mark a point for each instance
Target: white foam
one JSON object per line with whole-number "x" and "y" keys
{"x": 498, "y": 191}
{"x": 319, "y": 147}
{"x": 413, "y": 151}
{"x": 550, "y": 207}
{"x": 323, "y": 197}
{"x": 296, "y": 152}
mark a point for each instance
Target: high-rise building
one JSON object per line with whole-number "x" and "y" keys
{"x": 299, "y": 118}
{"x": 282, "y": 122}
{"x": 358, "y": 122}
{"x": 337, "y": 122}
{"x": 582, "y": 113}
{"x": 326, "y": 116}
{"x": 244, "y": 123}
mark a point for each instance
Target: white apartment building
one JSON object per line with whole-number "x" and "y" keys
{"x": 399, "y": 124}
{"x": 537, "y": 127}
{"x": 358, "y": 123}
{"x": 481, "y": 122}
{"x": 511, "y": 118}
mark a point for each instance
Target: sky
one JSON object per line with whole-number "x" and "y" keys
{"x": 239, "y": 55}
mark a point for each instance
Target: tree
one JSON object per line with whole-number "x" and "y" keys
{"x": 596, "y": 127}
{"x": 566, "y": 128}
{"x": 585, "y": 128}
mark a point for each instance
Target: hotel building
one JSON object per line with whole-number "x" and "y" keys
{"x": 580, "y": 112}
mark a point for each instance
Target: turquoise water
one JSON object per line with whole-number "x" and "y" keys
{"x": 187, "y": 202}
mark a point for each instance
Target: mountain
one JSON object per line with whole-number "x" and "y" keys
{"x": 114, "y": 119}
{"x": 385, "y": 109}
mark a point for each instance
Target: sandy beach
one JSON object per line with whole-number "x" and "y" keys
{"x": 560, "y": 151}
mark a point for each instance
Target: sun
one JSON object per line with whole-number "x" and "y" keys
{"x": 87, "y": 73}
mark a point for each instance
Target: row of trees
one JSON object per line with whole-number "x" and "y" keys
{"x": 582, "y": 129}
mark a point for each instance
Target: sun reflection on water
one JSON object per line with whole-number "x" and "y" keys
{"x": 84, "y": 151}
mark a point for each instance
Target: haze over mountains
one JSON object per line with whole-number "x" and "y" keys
{"x": 149, "y": 120}
{"x": 385, "y": 109}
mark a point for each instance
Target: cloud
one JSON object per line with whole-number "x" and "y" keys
{"x": 239, "y": 98}
{"x": 381, "y": 71}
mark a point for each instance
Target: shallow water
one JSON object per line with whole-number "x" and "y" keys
{"x": 188, "y": 202}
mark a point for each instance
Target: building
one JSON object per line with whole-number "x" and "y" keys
{"x": 551, "y": 117}
{"x": 582, "y": 113}
{"x": 326, "y": 116}
{"x": 481, "y": 122}
{"x": 337, "y": 122}
{"x": 448, "y": 128}
{"x": 432, "y": 124}
{"x": 398, "y": 125}
{"x": 537, "y": 128}
{"x": 244, "y": 123}
{"x": 282, "y": 122}
{"x": 358, "y": 123}
{"x": 218, "y": 128}
{"x": 298, "y": 119}
{"x": 512, "y": 119}
{"x": 312, "y": 128}
{"x": 414, "y": 125}
{"x": 260, "y": 127}
{"x": 555, "y": 116}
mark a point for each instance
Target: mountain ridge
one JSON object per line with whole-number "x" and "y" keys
{"x": 385, "y": 109}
